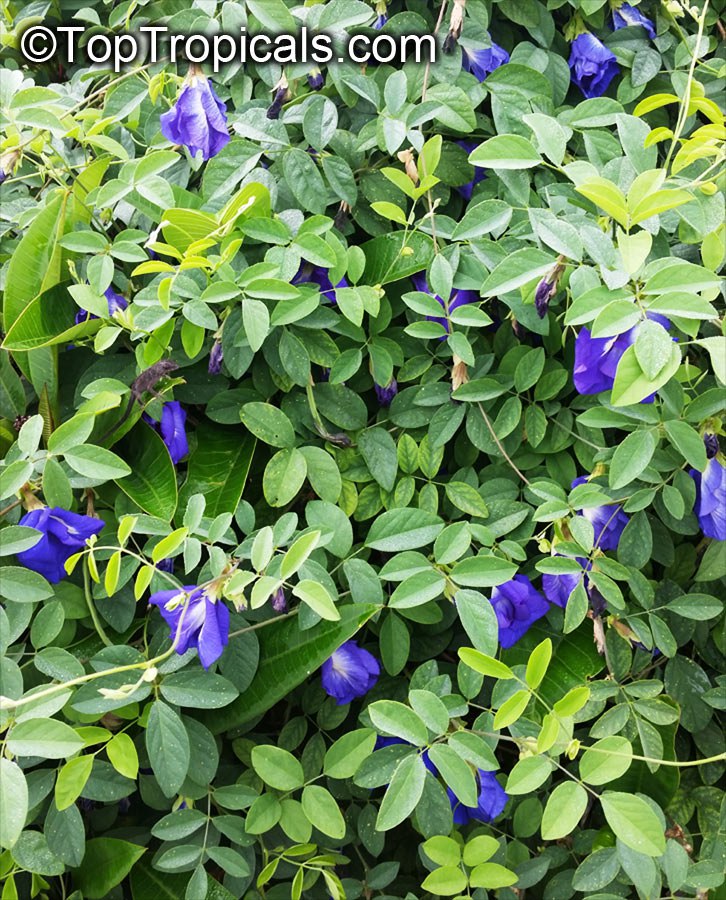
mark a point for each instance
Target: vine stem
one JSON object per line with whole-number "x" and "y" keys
{"x": 504, "y": 453}
{"x": 683, "y": 113}
{"x": 92, "y": 609}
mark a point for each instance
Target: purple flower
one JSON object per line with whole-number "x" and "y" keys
{"x": 198, "y": 120}
{"x": 557, "y": 588}
{"x": 711, "y": 443}
{"x": 517, "y": 605}
{"x": 593, "y": 65}
{"x": 316, "y": 79}
{"x": 319, "y": 276}
{"x": 386, "y": 394}
{"x": 116, "y": 303}
{"x": 64, "y": 533}
{"x": 596, "y": 359}
{"x": 382, "y": 742}
{"x": 466, "y": 190}
{"x": 542, "y": 296}
{"x": 710, "y": 506}
{"x": 627, "y": 15}
{"x": 349, "y": 673}
{"x": 492, "y": 800}
{"x": 608, "y": 521}
{"x": 215, "y": 358}
{"x": 275, "y": 108}
{"x": 458, "y": 298}
{"x": 201, "y": 622}
{"x": 484, "y": 60}
{"x": 171, "y": 428}
{"x": 279, "y": 601}
{"x": 165, "y": 565}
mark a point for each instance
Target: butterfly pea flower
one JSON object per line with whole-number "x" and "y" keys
{"x": 627, "y": 15}
{"x": 490, "y": 803}
{"x": 216, "y": 357}
{"x": 172, "y": 430}
{"x": 593, "y": 65}
{"x": 349, "y": 673}
{"x": 386, "y": 394}
{"x": 280, "y": 97}
{"x": 64, "y": 533}
{"x": 8, "y": 161}
{"x": 517, "y": 605}
{"x": 466, "y": 190}
{"x": 116, "y": 303}
{"x": 319, "y": 276}
{"x": 201, "y": 622}
{"x": 458, "y": 298}
{"x": 316, "y": 79}
{"x": 198, "y": 120}
{"x": 710, "y": 506}
{"x": 608, "y": 521}
{"x": 596, "y": 359}
{"x": 381, "y": 16}
{"x": 483, "y": 60}
{"x": 279, "y": 601}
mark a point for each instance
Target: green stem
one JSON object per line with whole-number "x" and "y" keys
{"x": 92, "y": 609}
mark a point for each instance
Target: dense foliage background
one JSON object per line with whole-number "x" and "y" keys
{"x": 375, "y": 338}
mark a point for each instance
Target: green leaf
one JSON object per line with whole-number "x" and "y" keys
{"x": 631, "y": 457}
{"x": 516, "y": 270}
{"x": 322, "y": 811}
{"x": 565, "y": 807}
{"x": 652, "y": 348}
{"x": 47, "y": 738}
{"x": 492, "y": 876}
{"x": 378, "y": 449}
{"x": 344, "y": 757}
{"x": 71, "y": 781}
{"x": 96, "y": 462}
{"x": 444, "y": 851}
{"x": 466, "y": 498}
{"x": 198, "y": 689}
{"x": 606, "y": 760}
{"x": 151, "y": 485}
{"x": 483, "y": 571}
{"x": 528, "y": 774}
{"x": 634, "y": 822}
{"x": 485, "y": 665}
{"x": 287, "y": 657}
{"x": 106, "y": 863}
{"x": 457, "y": 773}
{"x": 121, "y": 751}
{"x": 218, "y": 468}
{"x": 687, "y": 442}
{"x": 396, "y": 719}
{"x": 284, "y": 476}
{"x": 277, "y": 767}
{"x": 445, "y": 881}
{"x": 631, "y": 384}
{"x": 47, "y": 320}
{"x": 403, "y": 793}
{"x": 607, "y": 196}
{"x": 13, "y": 802}
{"x": 505, "y": 151}
{"x": 167, "y": 744}
{"x": 539, "y": 661}
{"x": 316, "y": 596}
{"x": 403, "y": 529}
{"x": 479, "y": 620}
{"x": 716, "y": 347}
{"x": 481, "y": 219}
{"x": 269, "y": 424}
{"x": 512, "y": 708}
{"x": 393, "y": 256}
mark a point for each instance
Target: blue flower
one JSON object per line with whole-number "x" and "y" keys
{"x": 518, "y": 605}
{"x": 316, "y": 79}
{"x": 215, "y": 358}
{"x": 608, "y": 521}
{"x": 386, "y": 394}
{"x": 349, "y": 673}
{"x": 171, "y": 428}
{"x": 64, "y": 533}
{"x": 492, "y": 800}
{"x": 557, "y": 588}
{"x": 321, "y": 277}
{"x": 466, "y": 190}
{"x": 593, "y": 65}
{"x": 198, "y": 120}
{"x": 278, "y": 101}
{"x": 279, "y": 601}
{"x": 381, "y": 15}
{"x": 627, "y": 15}
{"x": 116, "y": 303}
{"x": 458, "y": 298}
{"x": 596, "y": 359}
{"x": 710, "y": 506}
{"x": 484, "y": 60}
{"x": 201, "y": 622}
